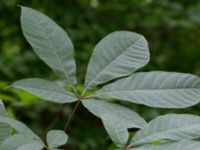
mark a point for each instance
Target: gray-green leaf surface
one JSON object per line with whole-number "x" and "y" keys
{"x": 14, "y": 142}
{"x": 171, "y": 127}
{"x": 5, "y": 130}
{"x": 20, "y": 128}
{"x": 56, "y": 138}
{"x": 46, "y": 90}
{"x": 116, "y": 129}
{"x": 31, "y": 146}
{"x": 129, "y": 118}
{"x": 182, "y": 145}
{"x": 50, "y": 42}
{"x": 118, "y": 54}
{"x": 155, "y": 89}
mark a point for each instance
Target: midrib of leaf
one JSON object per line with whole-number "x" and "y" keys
{"x": 61, "y": 64}
{"x": 162, "y": 132}
{"x": 62, "y": 92}
{"x": 99, "y": 73}
{"x": 132, "y": 90}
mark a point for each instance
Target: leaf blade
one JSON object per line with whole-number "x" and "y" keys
{"x": 129, "y": 118}
{"x": 5, "y": 130}
{"x": 20, "y": 127}
{"x": 155, "y": 89}
{"x": 171, "y": 127}
{"x": 56, "y": 138}
{"x": 182, "y": 145}
{"x": 15, "y": 141}
{"x": 31, "y": 146}
{"x": 116, "y": 130}
{"x": 50, "y": 42}
{"x": 46, "y": 90}
{"x": 119, "y": 54}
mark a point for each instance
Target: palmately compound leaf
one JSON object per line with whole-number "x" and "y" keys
{"x": 116, "y": 129}
{"x": 19, "y": 140}
{"x": 50, "y": 42}
{"x": 20, "y": 128}
{"x": 56, "y": 138}
{"x": 171, "y": 127}
{"x": 118, "y": 54}
{"x": 129, "y": 118}
{"x": 46, "y": 90}
{"x": 5, "y": 130}
{"x": 182, "y": 145}
{"x": 155, "y": 89}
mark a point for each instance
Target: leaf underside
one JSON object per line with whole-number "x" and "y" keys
{"x": 155, "y": 89}
{"x": 116, "y": 130}
{"x": 118, "y": 54}
{"x": 50, "y": 42}
{"x": 56, "y": 138}
{"x": 129, "y": 118}
{"x": 182, "y": 145}
{"x": 46, "y": 90}
{"x": 5, "y": 130}
{"x": 171, "y": 127}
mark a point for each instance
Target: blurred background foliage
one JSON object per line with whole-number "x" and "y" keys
{"x": 170, "y": 26}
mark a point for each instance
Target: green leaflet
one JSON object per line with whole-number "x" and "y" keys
{"x": 56, "y": 138}
{"x": 46, "y": 90}
{"x": 182, "y": 145}
{"x": 155, "y": 89}
{"x": 5, "y": 130}
{"x": 129, "y": 118}
{"x": 20, "y": 128}
{"x": 171, "y": 127}
{"x": 20, "y": 142}
{"x": 116, "y": 130}
{"x": 50, "y": 42}
{"x": 118, "y": 54}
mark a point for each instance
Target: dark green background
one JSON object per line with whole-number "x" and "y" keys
{"x": 172, "y": 28}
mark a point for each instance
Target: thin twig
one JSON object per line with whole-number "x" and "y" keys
{"x": 51, "y": 125}
{"x": 72, "y": 114}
